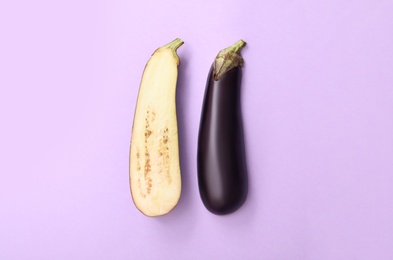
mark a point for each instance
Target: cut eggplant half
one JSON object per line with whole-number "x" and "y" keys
{"x": 155, "y": 178}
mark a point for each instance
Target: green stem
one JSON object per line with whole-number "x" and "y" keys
{"x": 173, "y": 45}
{"x": 237, "y": 47}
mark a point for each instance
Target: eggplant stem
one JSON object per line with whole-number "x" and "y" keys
{"x": 237, "y": 47}
{"x": 228, "y": 59}
{"x": 173, "y": 45}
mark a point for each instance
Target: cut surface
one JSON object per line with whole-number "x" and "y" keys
{"x": 154, "y": 157}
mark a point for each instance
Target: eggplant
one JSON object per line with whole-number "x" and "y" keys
{"x": 155, "y": 178}
{"x": 221, "y": 159}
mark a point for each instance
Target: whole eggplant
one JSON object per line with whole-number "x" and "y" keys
{"x": 222, "y": 170}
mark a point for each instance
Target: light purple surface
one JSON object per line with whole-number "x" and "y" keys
{"x": 318, "y": 113}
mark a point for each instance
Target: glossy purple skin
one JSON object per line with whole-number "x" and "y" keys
{"x": 222, "y": 171}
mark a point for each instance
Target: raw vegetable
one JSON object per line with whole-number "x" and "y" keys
{"x": 222, "y": 171}
{"x": 155, "y": 178}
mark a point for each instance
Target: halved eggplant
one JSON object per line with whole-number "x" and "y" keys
{"x": 222, "y": 170}
{"x": 155, "y": 178}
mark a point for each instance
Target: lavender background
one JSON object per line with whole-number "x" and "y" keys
{"x": 318, "y": 112}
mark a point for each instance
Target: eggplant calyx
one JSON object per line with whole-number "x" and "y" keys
{"x": 228, "y": 59}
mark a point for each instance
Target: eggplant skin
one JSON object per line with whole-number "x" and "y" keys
{"x": 222, "y": 170}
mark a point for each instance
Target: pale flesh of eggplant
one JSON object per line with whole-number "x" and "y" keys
{"x": 222, "y": 169}
{"x": 155, "y": 178}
